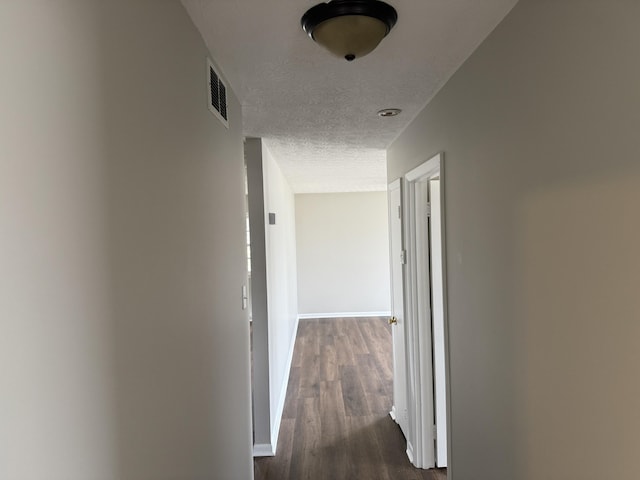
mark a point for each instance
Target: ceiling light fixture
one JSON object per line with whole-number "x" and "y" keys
{"x": 349, "y": 29}
{"x": 389, "y": 112}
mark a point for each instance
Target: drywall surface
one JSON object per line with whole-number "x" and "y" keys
{"x": 259, "y": 307}
{"x": 343, "y": 253}
{"x": 57, "y": 406}
{"x": 282, "y": 294}
{"x": 539, "y": 134}
{"x": 124, "y": 351}
{"x": 273, "y": 289}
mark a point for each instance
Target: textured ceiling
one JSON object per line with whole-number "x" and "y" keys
{"x": 316, "y": 112}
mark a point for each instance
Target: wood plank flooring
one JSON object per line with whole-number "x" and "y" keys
{"x": 336, "y": 423}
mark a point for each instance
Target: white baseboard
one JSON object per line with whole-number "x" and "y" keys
{"x": 263, "y": 450}
{"x": 410, "y": 453}
{"x": 393, "y": 415}
{"x": 304, "y": 316}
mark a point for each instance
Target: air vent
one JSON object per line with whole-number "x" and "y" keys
{"x": 217, "y": 94}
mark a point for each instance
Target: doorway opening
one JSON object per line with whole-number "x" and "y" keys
{"x": 420, "y": 313}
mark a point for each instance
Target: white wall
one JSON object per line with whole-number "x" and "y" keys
{"x": 281, "y": 279}
{"x": 343, "y": 253}
{"x": 539, "y": 133}
{"x": 274, "y": 288}
{"x": 261, "y": 385}
{"x": 124, "y": 349}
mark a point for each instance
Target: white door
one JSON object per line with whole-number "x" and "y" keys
{"x": 399, "y": 409}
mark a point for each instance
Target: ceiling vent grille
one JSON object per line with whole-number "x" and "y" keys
{"x": 217, "y": 94}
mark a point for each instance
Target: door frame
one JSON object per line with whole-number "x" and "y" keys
{"x": 421, "y": 444}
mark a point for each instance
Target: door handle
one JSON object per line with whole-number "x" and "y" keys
{"x": 393, "y": 321}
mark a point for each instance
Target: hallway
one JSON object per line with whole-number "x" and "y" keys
{"x": 336, "y": 422}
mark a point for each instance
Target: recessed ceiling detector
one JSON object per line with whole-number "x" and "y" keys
{"x": 349, "y": 29}
{"x": 389, "y": 112}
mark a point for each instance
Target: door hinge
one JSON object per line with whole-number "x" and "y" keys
{"x": 403, "y": 257}
{"x": 427, "y": 209}
{"x": 435, "y": 433}
{"x": 399, "y": 212}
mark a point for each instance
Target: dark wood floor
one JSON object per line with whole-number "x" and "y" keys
{"x": 336, "y": 423}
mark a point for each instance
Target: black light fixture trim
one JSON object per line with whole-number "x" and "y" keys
{"x": 389, "y": 112}
{"x": 337, "y": 8}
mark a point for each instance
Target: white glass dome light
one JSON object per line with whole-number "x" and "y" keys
{"x": 349, "y": 29}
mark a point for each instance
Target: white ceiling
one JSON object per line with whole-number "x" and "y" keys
{"x": 316, "y": 112}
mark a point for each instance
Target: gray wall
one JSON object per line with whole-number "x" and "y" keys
{"x": 124, "y": 351}
{"x": 273, "y": 288}
{"x": 539, "y": 129}
{"x": 343, "y": 253}
{"x": 261, "y": 384}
